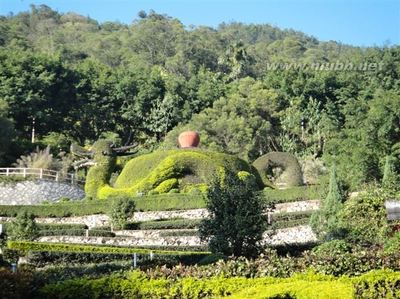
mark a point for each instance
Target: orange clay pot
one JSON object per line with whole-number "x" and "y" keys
{"x": 188, "y": 139}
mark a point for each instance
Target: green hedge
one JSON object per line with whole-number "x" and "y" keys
{"x": 39, "y": 246}
{"x": 288, "y": 216}
{"x": 163, "y": 202}
{"x": 293, "y": 194}
{"x": 289, "y": 223}
{"x": 76, "y": 232}
{"x": 377, "y": 284}
{"x": 179, "y": 233}
{"x": 165, "y": 224}
{"x": 55, "y": 226}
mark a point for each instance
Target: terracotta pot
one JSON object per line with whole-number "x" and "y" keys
{"x": 188, "y": 139}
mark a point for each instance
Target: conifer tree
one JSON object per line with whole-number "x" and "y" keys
{"x": 325, "y": 221}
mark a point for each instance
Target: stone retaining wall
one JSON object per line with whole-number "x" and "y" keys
{"x": 103, "y": 220}
{"x": 299, "y": 235}
{"x": 35, "y": 192}
{"x": 297, "y": 206}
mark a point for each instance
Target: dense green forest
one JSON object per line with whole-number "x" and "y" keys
{"x": 147, "y": 81}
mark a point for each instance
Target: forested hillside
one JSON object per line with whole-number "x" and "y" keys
{"x": 247, "y": 88}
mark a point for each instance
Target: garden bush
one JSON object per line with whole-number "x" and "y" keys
{"x": 16, "y": 285}
{"x": 363, "y": 217}
{"x": 120, "y": 211}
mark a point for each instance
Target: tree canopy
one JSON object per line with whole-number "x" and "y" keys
{"x": 248, "y": 89}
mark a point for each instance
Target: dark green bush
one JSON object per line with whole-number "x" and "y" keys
{"x": 49, "y": 258}
{"x": 121, "y": 209}
{"x": 16, "y": 285}
{"x": 23, "y": 227}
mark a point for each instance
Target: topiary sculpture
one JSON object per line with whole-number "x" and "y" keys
{"x": 278, "y": 169}
{"x": 158, "y": 172}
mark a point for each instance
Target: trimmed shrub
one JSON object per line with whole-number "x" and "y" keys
{"x": 147, "y": 172}
{"x": 300, "y": 193}
{"x": 163, "y": 202}
{"x": 291, "y": 170}
{"x": 66, "y": 226}
{"x": 41, "y": 246}
{"x": 166, "y": 186}
{"x": 99, "y": 175}
{"x": 76, "y": 232}
{"x": 377, "y": 284}
{"x": 178, "y": 233}
{"x": 50, "y": 258}
{"x": 165, "y": 224}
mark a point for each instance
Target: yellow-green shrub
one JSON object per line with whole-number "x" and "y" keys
{"x": 161, "y": 171}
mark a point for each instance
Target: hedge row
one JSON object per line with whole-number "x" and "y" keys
{"x": 39, "y": 246}
{"x": 42, "y": 259}
{"x": 55, "y": 226}
{"x": 293, "y": 194}
{"x": 76, "y": 232}
{"x": 289, "y": 223}
{"x": 179, "y": 233}
{"x": 165, "y": 224}
{"x": 288, "y": 216}
{"x": 163, "y": 202}
{"x": 377, "y": 284}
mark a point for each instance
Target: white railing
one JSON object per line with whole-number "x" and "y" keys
{"x": 44, "y": 174}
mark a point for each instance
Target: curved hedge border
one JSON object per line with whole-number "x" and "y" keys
{"x": 42, "y": 246}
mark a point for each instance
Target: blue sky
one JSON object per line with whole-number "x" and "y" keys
{"x": 356, "y": 22}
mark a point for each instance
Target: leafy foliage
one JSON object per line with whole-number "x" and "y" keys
{"x": 364, "y": 217}
{"x": 23, "y": 227}
{"x": 120, "y": 211}
{"x": 236, "y": 222}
